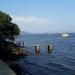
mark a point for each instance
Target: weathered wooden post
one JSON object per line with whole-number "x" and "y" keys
{"x": 19, "y": 44}
{"x": 37, "y": 49}
{"x": 49, "y": 48}
{"x": 23, "y": 44}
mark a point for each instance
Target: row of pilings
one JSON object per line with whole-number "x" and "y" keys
{"x": 36, "y": 47}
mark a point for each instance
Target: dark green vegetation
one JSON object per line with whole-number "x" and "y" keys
{"x": 8, "y": 32}
{"x": 8, "y": 29}
{"x": 9, "y": 51}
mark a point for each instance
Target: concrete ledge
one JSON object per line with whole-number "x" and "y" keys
{"x": 4, "y": 69}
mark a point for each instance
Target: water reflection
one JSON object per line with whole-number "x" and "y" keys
{"x": 38, "y": 52}
{"x": 49, "y": 51}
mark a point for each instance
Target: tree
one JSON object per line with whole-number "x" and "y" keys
{"x": 8, "y": 29}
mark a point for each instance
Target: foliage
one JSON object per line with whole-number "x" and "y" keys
{"x": 8, "y": 29}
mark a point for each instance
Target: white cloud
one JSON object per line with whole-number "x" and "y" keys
{"x": 31, "y": 20}
{"x": 36, "y": 24}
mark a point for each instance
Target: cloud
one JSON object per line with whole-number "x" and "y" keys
{"x": 35, "y": 24}
{"x": 31, "y": 20}
{"x": 40, "y": 24}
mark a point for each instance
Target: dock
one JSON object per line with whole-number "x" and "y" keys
{"x": 5, "y": 70}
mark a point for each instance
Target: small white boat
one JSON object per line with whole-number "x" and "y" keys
{"x": 65, "y": 35}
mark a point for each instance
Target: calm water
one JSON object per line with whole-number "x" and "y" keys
{"x": 60, "y": 61}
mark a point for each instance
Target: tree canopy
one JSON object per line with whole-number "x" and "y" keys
{"x": 8, "y": 29}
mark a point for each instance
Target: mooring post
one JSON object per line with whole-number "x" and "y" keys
{"x": 49, "y": 47}
{"x": 19, "y": 43}
{"x": 23, "y": 44}
{"x": 37, "y": 49}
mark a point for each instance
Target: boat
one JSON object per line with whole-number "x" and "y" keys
{"x": 65, "y": 35}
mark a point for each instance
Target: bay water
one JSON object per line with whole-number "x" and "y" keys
{"x": 59, "y": 61}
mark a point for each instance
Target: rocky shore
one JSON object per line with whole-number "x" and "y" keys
{"x": 10, "y": 53}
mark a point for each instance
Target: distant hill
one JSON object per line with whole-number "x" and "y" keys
{"x": 24, "y": 32}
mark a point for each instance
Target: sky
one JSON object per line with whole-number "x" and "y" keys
{"x": 41, "y": 16}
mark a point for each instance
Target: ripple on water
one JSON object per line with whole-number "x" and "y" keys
{"x": 61, "y": 61}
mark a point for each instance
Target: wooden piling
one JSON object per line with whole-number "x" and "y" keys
{"x": 37, "y": 49}
{"x": 23, "y": 44}
{"x": 49, "y": 47}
